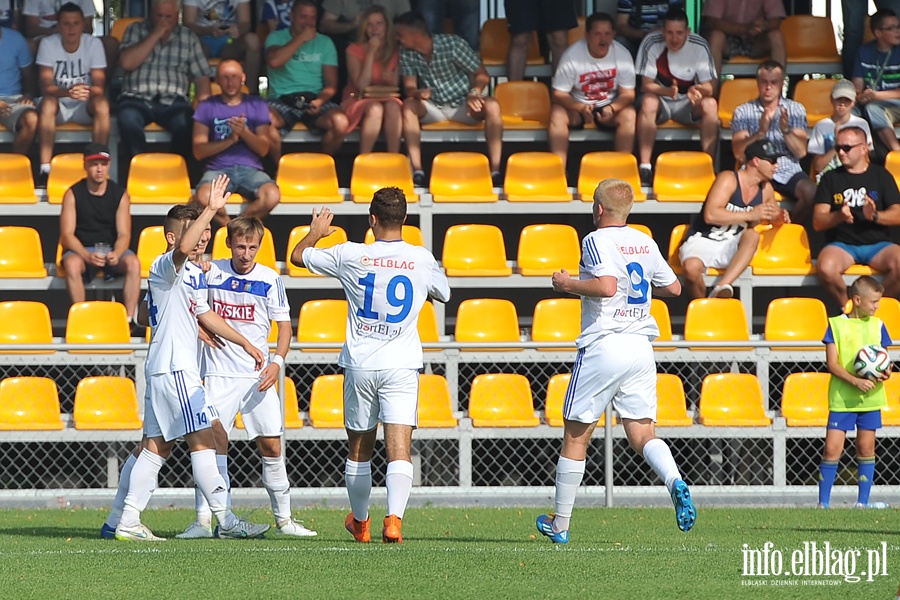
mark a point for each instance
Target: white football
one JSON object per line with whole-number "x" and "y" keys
{"x": 872, "y": 362}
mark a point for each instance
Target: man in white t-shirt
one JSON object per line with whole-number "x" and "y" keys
{"x": 594, "y": 82}
{"x": 72, "y": 69}
{"x": 678, "y": 83}
{"x": 226, "y": 31}
{"x": 619, "y": 267}
{"x": 42, "y": 19}
{"x": 386, "y": 284}
{"x": 176, "y": 404}
{"x": 821, "y": 141}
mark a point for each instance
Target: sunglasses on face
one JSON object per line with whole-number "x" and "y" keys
{"x": 845, "y": 147}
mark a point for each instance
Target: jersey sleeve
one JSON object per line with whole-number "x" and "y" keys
{"x": 323, "y": 261}
{"x": 829, "y": 335}
{"x": 165, "y": 267}
{"x": 279, "y": 309}
{"x": 663, "y": 274}
{"x": 885, "y": 336}
{"x": 596, "y": 258}
{"x": 200, "y": 296}
{"x": 439, "y": 286}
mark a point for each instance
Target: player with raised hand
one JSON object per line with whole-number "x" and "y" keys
{"x": 386, "y": 284}
{"x": 615, "y": 362}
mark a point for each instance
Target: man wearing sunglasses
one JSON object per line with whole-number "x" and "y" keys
{"x": 876, "y": 75}
{"x": 855, "y": 205}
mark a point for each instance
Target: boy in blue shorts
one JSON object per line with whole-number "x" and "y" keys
{"x": 854, "y": 402}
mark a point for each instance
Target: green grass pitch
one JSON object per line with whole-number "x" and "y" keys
{"x": 626, "y": 553}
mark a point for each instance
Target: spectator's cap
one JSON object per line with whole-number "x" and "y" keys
{"x": 763, "y": 149}
{"x": 844, "y": 89}
{"x": 96, "y": 152}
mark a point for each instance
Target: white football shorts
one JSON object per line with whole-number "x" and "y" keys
{"x": 389, "y": 395}
{"x": 617, "y": 368}
{"x": 177, "y": 405}
{"x": 714, "y": 254}
{"x": 260, "y": 411}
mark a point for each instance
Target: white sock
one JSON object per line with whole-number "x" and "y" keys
{"x": 118, "y": 505}
{"x": 646, "y": 166}
{"x": 275, "y": 480}
{"x": 659, "y": 457}
{"x": 569, "y": 474}
{"x": 222, "y": 465}
{"x": 398, "y": 481}
{"x": 45, "y": 167}
{"x": 358, "y": 477}
{"x": 210, "y": 483}
{"x": 141, "y": 485}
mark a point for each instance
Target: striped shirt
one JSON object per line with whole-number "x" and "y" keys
{"x": 879, "y": 70}
{"x": 448, "y": 74}
{"x": 746, "y": 118}
{"x": 166, "y": 73}
{"x": 646, "y": 15}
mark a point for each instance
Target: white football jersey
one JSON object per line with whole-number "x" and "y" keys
{"x": 633, "y": 258}
{"x": 386, "y": 284}
{"x": 174, "y": 300}
{"x": 249, "y": 302}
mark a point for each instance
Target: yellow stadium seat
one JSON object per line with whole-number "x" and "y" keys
{"x": 411, "y": 235}
{"x": 21, "y": 253}
{"x": 659, "y": 310}
{"x": 577, "y": 32}
{"x": 16, "y": 180}
{"x": 120, "y": 25}
{"x": 376, "y": 170}
{"x": 683, "y": 176}
{"x": 292, "y": 418}
{"x": 642, "y": 228}
{"x": 98, "y": 322}
{"x": 675, "y": 241}
{"x": 597, "y": 166}
{"x": 151, "y": 244}
{"x": 892, "y": 164}
{"x": 265, "y": 256}
{"x": 805, "y": 399}
{"x": 556, "y": 320}
{"x": 159, "y": 178}
{"x": 810, "y": 39}
{"x": 795, "y": 319}
{"x": 427, "y": 326}
{"x": 890, "y": 414}
{"x": 108, "y": 403}
{"x": 502, "y": 400}
{"x": 475, "y": 251}
{"x": 545, "y": 249}
{"x": 735, "y": 92}
{"x": 556, "y": 395}
{"x": 461, "y": 177}
{"x": 494, "y": 44}
{"x": 339, "y": 236}
{"x": 308, "y": 177}
{"x": 29, "y": 404}
{"x": 24, "y": 322}
{"x": 434, "y": 408}
{"x": 326, "y": 402}
{"x": 815, "y": 96}
{"x": 524, "y": 104}
{"x": 716, "y": 319}
{"x": 487, "y": 320}
{"x": 65, "y": 171}
{"x": 536, "y": 177}
{"x": 732, "y": 400}
{"x": 783, "y": 250}
{"x": 321, "y": 322}
{"x": 671, "y": 408}
{"x": 889, "y": 312}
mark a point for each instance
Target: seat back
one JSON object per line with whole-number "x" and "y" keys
{"x": 65, "y": 171}
{"x": 545, "y": 249}
{"x": 475, "y": 251}
{"x": 732, "y": 400}
{"x": 671, "y": 407}
{"x": 815, "y": 96}
{"x": 683, "y": 176}
{"x": 642, "y": 228}
{"x": 25, "y": 322}
{"x": 434, "y": 408}
{"x": 427, "y": 325}
{"x": 556, "y": 395}
{"x": 159, "y": 178}
{"x": 791, "y": 319}
{"x": 411, "y": 235}
{"x": 265, "y": 256}
{"x": 326, "y": 402}
{"x": 805, "y": 399}
{"x": 308, "y": 177}
{"x": 292, "y": 418}
{"x": 659, "y": 310}
{"x": 889, "y": 312}
{"x": 322, "y": 321}
{"x": 461, "y": 177}
{"x": 783, "y": 250}
{"x": 524, "y": 104}
{"x": 556, "y": 320}
{"x": 494, "y": 44}
{"x": 21, "y": 253}
{"x": 597, "y": 166}
{"x": 536, "y": 177}
{"x": 676, "y": 238}
{"x": 107, "y": 403}
{"x": 502, "y": 400}
{"x": 339, "y": 236}
{"x": 892, "y": 164}
{"x": 120, "y": 25}
{"x": 376, "y": 170}
{"x": 487, "y": 320}
{"x": 29, "y": 404}
{"x": 735, "y": 92}
{"x": 809, "y": 39}
{"x": 151, "y": 243}
{"x": 716, "y": 319}
{"x": 98, "y": 322}
{"x": 16, "y": 179}
{"x": 890, "y": 414}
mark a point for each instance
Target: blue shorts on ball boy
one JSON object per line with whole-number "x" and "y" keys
{"x": 848, "y": 421}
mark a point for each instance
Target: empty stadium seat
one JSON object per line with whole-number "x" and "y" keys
{"x": 24, "y": 322}
{"x": 65, "y": 171}
{"x": 151, "y": 243}
{"x": 308, "y": 177}
{"x": 675, "y": 240}
{"x": 805, "y": 399}
{"x": 795, "y": 319}
{"x": 265, "y": 255}
{"x": 659, "y": 310}
{"x": 556, "y": 395}
{"x": 642, "y": 228}
{"x": 577, "y": 32}
{"x": 434, "y": 408}
{"x": 716, "y": 319}
{"x": 16, "y": 180}
{"x": 683, "y": 176}
{"x": 338, "y": 236}
{"x": 732, "y": 400}
{"x": 671, "y": 407}
{"x": 29, "y": 404}
{"x": 810, "y": 39}
{"x": 159, "y": 178}
{"x": 494, "y": 44}
{"x": 326, "y": 402}
{"x": 21, "y": 254}
{"x": 475, "y": 251}
{"x": 889, "y": 312}
{"x": 597, "y": 166}
{"x": 108, "y": 403}
{"x": 536, "y": 177}
{"x": 735, "y": 92}
{"x": 98, "y": 322}
{"x": 783, "y": 250}
{"x": 815, "y": 96}
{"x": 556, "y": 320}
{"x": 892, "y": 164}
{"x": 890, "y": 414}
{"x": 292, "y": 418}
{"x": 545, "y": 249}
{"x": 322, "y": 321}
{"x": 461, "y": 177}
{"x": 502, "y": 400}
{"x": 524, "y": 104}
{"x": 487, "y": 320}
{"x": 376, "y": 170}
{"x": 411, "y": 235}
{"x": 427, "y": 325}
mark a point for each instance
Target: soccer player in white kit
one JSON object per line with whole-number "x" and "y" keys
{"x": 249, "y": 296}
{"x": 386, "y": 284}
{"x": 615, "y": 363}
{"x": 176, "y": 402}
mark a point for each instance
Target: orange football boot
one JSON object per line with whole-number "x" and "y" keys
{"x": 391, "y": 533}
{"x": 358, "y": 529}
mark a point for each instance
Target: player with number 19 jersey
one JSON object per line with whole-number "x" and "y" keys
{"x": 386, "y": 284}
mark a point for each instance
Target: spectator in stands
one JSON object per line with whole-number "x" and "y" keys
{"x": 465, "y": 14}
{"x": 855, "y": 205}
{"x": 17, "y": 111}
{"x": 276, "y": 14}
{"x": 527, "y": 16}
{"x": 783, "y": 122}
{"x": 42, "y": 19}
{"x": 876, "y": 75}
{"x": 744, "y": 28}
{"x": 678, "y": 82}
{"x": 225, "y": 31}
{"x": 72, "y": 71}
{"x": 371, "y": 96}
{"x": 231, "y": 133}
{"x": 9, "y": 14}
{"x": 303, "y": 80}
{"x": 722, "y": 234}
{"x": 821, "y": 142}
{"x": 95, "y": 231}
{"x": 594, "y": 82}
{"x": 636, "y": 18}
{"x": 437, "y": 71}
{"x": 160, "y": 59}
{"x": 343, "y": 17}
{"x": 854, "y": 18}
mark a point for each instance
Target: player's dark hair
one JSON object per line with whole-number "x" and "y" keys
{"x": 676, "y": 14}
{"x": 245, "y": 227}
{"x": 864, "y": 282}
{"x": 598, "y": 17}
{"x": 412, "y": 19}
{"x": 769, "y": 65}
{"x": 876, "y": 21}
{"x": 389, "y": 206}
{"x": 298, "y": 3}
{"x": 69, "y": 7}
{"x": 179, "y": 214}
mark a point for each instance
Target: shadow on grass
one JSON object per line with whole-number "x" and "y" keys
{"x": 54, "y": 532}
{"x": 834, "y": 530}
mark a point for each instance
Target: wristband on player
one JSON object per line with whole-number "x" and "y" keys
{"x": 278, "y": 360}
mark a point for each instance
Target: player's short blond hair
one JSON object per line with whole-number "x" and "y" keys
{"x": 864, "y": 282}
{"x": 245, "y": 227}
{"x": 616, "y": 197}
